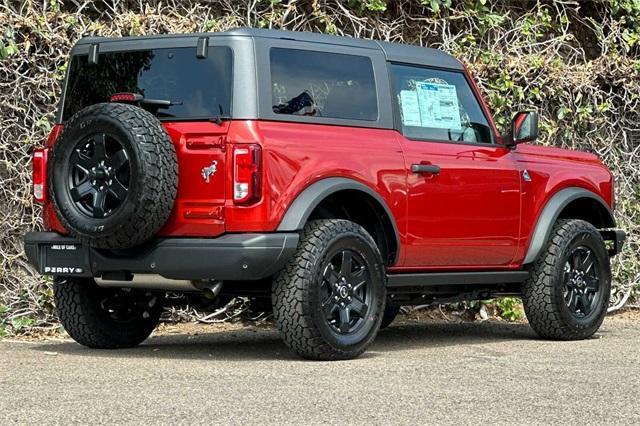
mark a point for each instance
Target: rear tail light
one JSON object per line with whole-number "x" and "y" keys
{"x": 39, "y": 163}
{"x": 53, "y": 136}
{"x": 247, "y": 174}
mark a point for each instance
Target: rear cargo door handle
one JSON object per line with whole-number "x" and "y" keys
{"x": 431, "y": 169}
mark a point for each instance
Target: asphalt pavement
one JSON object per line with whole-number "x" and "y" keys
{"x": 415, "y": 373}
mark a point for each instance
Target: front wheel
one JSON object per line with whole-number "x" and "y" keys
{"x": 567, "y": 295}
{"x": 106, "y": 318}
{"x": 329, "y": 299}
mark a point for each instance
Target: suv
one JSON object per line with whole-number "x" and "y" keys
{"x": 338, "y": 178}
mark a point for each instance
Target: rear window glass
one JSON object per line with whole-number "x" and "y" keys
{"x": 320, "y": 84}
{"x": 197, "y": 88}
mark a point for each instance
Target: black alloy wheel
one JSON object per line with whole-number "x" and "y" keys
{"x": 124, "y": 304}
{"x": 328, "y": 301}
{"x": 581, "y": 282}
{"x": 113, "y": 176}
{"x": 99, "y": 175}
{"x": 566, "y": 296}
{"x": 345, "y": 296}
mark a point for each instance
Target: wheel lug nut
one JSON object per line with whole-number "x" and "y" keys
{"x": 336, "y": 298}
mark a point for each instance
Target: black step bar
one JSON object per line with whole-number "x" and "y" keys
{"x": 434, "y": 279}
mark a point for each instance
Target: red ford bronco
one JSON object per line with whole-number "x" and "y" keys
{"x": 338, "y": 178}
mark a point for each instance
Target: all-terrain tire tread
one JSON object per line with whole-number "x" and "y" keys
{"x": 291, "y": 286}
{"x": 81, "y": 322}
{"x": 538, "y": 292}
{"x": 158, "y": 168}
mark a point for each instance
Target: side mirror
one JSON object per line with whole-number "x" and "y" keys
{"x": 524, "y": 128}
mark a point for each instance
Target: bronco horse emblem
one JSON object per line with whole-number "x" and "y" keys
{"x": 209, "y": 171}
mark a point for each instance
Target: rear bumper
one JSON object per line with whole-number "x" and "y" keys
{"x": 229, "y": 257}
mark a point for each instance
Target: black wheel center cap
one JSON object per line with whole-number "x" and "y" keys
{"x": 343, "y": 291}
{"x": 100, "y": 174}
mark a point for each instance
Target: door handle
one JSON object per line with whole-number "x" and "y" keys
{"x": 425, "y": 169}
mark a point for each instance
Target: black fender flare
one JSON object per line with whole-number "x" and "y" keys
{"x": 299, "y": 211}
{"x": 550, "y": 214}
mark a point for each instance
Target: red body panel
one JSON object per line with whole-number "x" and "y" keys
{"x": 199, "y": 207}
{"x": 468, "y": 215}
{"x": 478, "y": 213}
{"x": 551, "y": 170}
{"x": 296, "y": 155}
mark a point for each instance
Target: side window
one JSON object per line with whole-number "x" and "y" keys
{"x": 311, "y": 83}
{"x": 438, "y": 105}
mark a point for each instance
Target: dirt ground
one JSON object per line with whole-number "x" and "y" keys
{"x": 419, "y": 370}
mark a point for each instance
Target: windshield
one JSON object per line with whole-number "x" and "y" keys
{"x": 196, "y": 87}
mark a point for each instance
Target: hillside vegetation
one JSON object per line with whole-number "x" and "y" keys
{"x": 577, "y": 63}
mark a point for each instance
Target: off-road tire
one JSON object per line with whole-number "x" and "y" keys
{"x": 295, "y": 297}
{"x": 542, "y": 293}
{"x": 78, "y": 306}
{"x": 390, "y": 314}
{"x": 153, "y": 178}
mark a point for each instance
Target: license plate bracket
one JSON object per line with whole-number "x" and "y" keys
{"x": 64, "y": 259}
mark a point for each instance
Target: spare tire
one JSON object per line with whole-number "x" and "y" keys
{"x": 113, "y": 174}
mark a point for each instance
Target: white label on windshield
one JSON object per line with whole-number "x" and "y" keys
{"x": 438, "y": 106}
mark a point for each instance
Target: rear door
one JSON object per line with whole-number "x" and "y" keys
{"x": 186, "y": 91}
{"x": 463, "y": 190}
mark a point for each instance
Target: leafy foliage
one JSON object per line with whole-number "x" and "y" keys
{"x": 510, "y": 308}
{"x": 577, "y": 63}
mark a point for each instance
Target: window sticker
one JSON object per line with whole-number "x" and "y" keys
{"x": 410, "y": 108}
{"x": 432, "y": 105}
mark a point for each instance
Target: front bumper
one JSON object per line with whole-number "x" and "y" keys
{"x": 229, "y": 257}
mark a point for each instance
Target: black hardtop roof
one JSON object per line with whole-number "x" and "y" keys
{"x": 394, "y": 52}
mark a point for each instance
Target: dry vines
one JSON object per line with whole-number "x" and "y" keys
{"x": 567, "y": 59}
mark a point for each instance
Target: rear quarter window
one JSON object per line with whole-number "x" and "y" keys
{"x": 321, "y": 84}
{"x": 199, "y": 87}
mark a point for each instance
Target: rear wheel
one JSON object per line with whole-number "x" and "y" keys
{"x": 567, "y": 295}
{"x": 329, "y": 299}
{"x": 106, "y": 318}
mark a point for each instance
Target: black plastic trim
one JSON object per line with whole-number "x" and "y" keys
{"x": 433, "y": 279}
{"x": 300, "y": 210}
{"x": 202, "y": 47}
{"x": 617, "y": 237}
{"x": 228, "y": 257}
{"x": 550, "y": 214}
{"x": 94, "y": 54}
